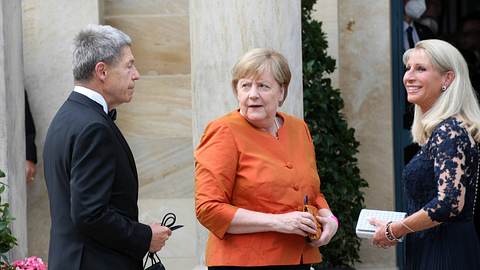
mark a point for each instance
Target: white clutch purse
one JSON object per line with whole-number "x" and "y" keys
{"x": 365, "y": 230}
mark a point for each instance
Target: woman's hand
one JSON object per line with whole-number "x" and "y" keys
{"x": 379, "y": 238}
{"x": 296, "y": 222}
{"x": 329, "y": 229}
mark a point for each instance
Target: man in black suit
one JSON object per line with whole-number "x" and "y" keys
{"x": 90, "y": 172}
{"x": 413, "y": 32}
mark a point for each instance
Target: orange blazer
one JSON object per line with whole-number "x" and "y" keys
{"x": 239, "y": 166}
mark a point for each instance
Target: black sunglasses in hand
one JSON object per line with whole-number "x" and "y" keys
{"x": 156, "y": 264}
{"x": 169, "y": 221}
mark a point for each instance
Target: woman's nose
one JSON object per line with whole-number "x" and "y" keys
{"x": 253, "y": 93}
{"x": 408, "y": 76}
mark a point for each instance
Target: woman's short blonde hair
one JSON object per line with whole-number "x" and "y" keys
{"x": 253, "y": 63}
{"x": 458, "y": 100}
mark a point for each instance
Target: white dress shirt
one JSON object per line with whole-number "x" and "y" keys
{"x": 415, "y": 36}
{"x": 93, "y": 95}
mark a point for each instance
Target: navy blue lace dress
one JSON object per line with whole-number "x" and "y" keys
{"x": 441, "y": 180}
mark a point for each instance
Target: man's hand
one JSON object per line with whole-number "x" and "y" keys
{"x": 160, "y": 235}
{"x": 30, "y": 171}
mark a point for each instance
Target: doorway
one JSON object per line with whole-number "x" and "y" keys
{"x": 455, "y": 21}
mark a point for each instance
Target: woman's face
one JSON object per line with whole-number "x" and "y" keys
{"x": 422, "y": 81}
{"x": 259, "y": 98}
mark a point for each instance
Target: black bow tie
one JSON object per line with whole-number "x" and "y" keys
{"x": 113, "y": 114}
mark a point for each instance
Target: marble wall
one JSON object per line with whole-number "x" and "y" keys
{"x": 12, "y": 123}
{"x": 48, "y": 79}
{"x": 365, "y": 83}
{"x": 158, "y": 122}
{"x": 185, "y": 55}
{"x": 326, "y": 12}
{"x": 218, "y": 41}
{"x": 359, "y": 39}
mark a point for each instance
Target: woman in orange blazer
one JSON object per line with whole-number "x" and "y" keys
{"x": 254, "y": 169}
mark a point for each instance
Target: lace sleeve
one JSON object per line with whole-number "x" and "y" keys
{"x": 448, "y": 144}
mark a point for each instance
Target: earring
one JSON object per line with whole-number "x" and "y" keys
{"x": 444, "y": 88}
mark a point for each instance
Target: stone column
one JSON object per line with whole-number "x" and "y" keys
{"x": 326, "y": 12}
{"x": 366, "y": 86}
{"x": 49, "y": 27}
{"x": 12, "y": 123}
{"x": 220, "y": 32}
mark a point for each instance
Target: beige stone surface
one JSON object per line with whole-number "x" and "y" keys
{"x": 216, "y": 44}
{"x": 165, "y": 167}
{"x": 158, "y": 122}
{"x": 160, "y": 43}
{"x": 12, "y": 128}
{"x": 38, "y": 219}
{"x": 49, "y": 80}
{"x": 161, "y": 108}
{"x": 145, "y": 7}
{"x": 179, "y": 251}
{"x": 326, "y": 12}
{"x": 157, "y": 125}
{"x": 218, "y": 41}
{"x": 180, "y": 244}
{"x": 365, "y": 82}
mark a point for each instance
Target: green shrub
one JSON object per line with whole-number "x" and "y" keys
{"x": 7, "y": 240}
{"x": 335, "y": 144}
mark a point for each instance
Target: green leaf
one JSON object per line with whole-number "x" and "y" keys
{"x": 7, "y": 240}
{"x": 334, "y": 142}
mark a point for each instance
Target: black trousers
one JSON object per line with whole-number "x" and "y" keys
{"x": 277, "y": 267}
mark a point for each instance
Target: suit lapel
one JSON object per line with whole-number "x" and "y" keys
{"x": 125, "y": 146}
{"x": 77, "y": 97}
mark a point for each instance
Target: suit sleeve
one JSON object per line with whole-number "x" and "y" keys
{"x": 215, "y": 168}
{"x": 31, "y": 149}
{"x": 91, "y": 180}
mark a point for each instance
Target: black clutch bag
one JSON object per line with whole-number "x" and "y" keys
{"x": 156, "y": 263}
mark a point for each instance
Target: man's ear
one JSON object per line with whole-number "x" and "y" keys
{"x": 101, "y": 70}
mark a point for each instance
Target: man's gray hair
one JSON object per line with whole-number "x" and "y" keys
{"x": 97, "y": 43}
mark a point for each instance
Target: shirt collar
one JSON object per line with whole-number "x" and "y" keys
{"x": 93, "y": 95}
{"x": 406, "y": 25}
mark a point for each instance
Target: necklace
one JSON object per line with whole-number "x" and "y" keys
{"x": 276, "y": 127}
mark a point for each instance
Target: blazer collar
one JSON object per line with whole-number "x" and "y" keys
{"x": 79, "y": 98}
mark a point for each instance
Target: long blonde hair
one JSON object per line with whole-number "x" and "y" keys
{"x": 457, "y": 100}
